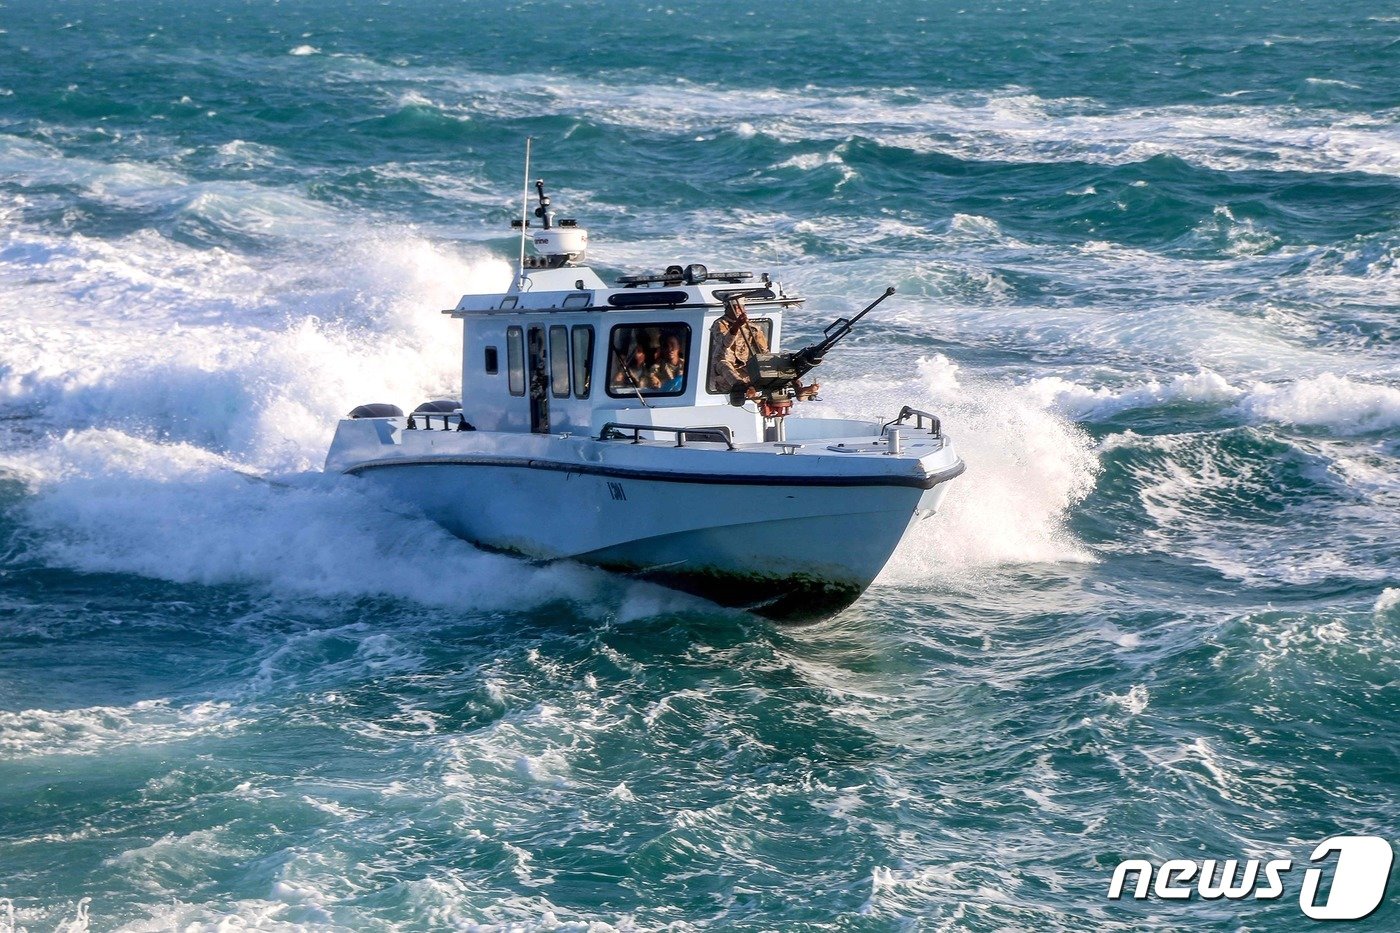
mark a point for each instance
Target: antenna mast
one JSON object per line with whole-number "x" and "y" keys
{"x": 524, "y": 221}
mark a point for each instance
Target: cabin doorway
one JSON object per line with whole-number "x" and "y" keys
{"x": 539, "y": 381}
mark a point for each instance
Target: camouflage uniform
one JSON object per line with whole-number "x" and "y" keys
{"x": 731, "y": 345}
{"x": 666, "y": 373}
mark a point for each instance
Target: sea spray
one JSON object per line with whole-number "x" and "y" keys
{"x": 267, "y": 394}
{"x": 1032, "y": 466}
{"x": 111, "y": 503}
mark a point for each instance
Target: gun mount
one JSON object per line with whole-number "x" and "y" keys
{"x": 776, "y": 377}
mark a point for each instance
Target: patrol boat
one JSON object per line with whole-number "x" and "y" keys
{"x": 568, "y": 443}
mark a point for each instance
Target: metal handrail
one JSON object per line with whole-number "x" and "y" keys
{"x": 448, "y": 417}
{"x": 717, "y": 433}
{"x": 905, "y": 413}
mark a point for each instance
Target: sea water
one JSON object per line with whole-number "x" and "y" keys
{"x": 1148, "y": 265}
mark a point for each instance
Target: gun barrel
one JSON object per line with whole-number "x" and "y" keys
{"x": 810, "y": 357}
{"x": 889, "y": 290}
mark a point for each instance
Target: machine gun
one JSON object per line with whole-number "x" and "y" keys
{"x": 774, "y": 376}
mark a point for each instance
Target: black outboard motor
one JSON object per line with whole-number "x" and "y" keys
{"x": 442, "y": 405}
{"x": 377, "y": 410}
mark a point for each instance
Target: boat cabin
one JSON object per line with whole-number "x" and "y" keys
{"x": 563, "y": 352}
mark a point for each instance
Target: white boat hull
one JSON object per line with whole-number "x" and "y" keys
{"x": 784, "y": 536}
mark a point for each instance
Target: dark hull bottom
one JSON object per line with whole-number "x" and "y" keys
{"x": 793, "y": 600}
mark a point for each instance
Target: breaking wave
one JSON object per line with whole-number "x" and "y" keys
{"x": 1008, "y": 125}
{"x": 1336, "y": 403}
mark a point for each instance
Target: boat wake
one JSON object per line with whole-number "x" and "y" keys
{"x": 1028, "y": 467}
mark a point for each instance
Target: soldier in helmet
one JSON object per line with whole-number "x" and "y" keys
{"x": 733, "y": 340}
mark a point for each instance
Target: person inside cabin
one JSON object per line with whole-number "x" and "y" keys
{"x": 636, "y": 371}
{"x": 733, "y": 341}
{"x": 669, "y": 370}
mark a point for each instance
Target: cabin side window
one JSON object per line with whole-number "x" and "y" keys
{"x": 493, "y": 362}
{"x": 515, "y": 360}
{"x": 559, "y": 360}
{"x": 651, "y": 359}
{"x": 583, "y": 359}
{"x": 764, "y": 325}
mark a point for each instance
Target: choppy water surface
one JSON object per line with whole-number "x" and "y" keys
{"x": 1148, "y": 269}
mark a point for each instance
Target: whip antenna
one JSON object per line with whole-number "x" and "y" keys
{"x": 524, "y": 223}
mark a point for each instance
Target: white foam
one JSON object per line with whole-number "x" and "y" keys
{"x": 156, "y": 371}
{"x": 960, "y": 292}
{"x": 1211, "y": 497}
{"x": 812, "y": 161}
{"x": 37, "y": 164}
{"x": 144, "y": 276}
{"x": 1134, "y": 701}
{"x": 1340, "y": 404}
{"x": 245, "y": 206}
{"x": 243, "y": 155}
{"x": 1004, "y": 125}
{"x": 24, "y": 919}
{"x": 1337, "y": 403}
{"x": 189, "y": 362}
{"x": 107, "y": 502}
{"x": 81, "y": 920}
{"x": 192, "y": 344}
{"x": 332, "y": 808}
{"x": 1333, "y": 82}
{"x": 1026, "y": 468}
{"x": 416, "y": 99}
{"x": 95, "y": 730}
{"x": 175, "y": 850}
{"x": 1082, "y": 401}
{"x": 1235, "y": 237}
{"x": 314, "y": 890}
{"x": 1388, "y": 601}
{"x": 305, "y": 50}
{"x": 1025, "y": 128}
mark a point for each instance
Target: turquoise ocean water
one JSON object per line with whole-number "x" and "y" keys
{"x": 1148, "y": 265}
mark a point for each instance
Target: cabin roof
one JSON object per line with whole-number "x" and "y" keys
{"x": 579, "y": 288}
